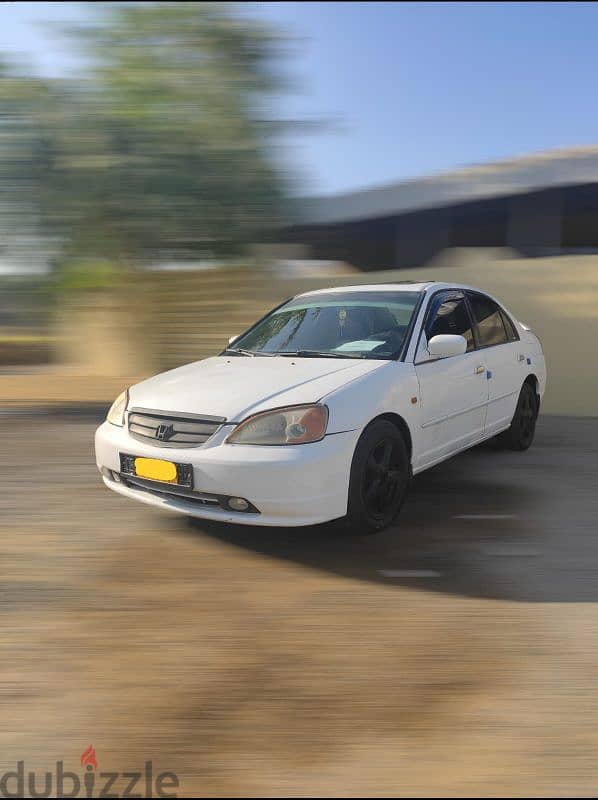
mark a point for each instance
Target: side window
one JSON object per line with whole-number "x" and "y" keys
{"x": 489, "y": 318}
{"x": 512, "y": 334}
{"x": 450, "y": 315}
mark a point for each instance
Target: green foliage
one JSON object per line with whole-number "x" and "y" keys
{"x": 88, "y": 275}
{"x": 161, "y": 148}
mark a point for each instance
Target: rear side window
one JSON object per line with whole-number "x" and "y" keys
{"x": 490, "y": 321}
{"x": 512, "y": 334}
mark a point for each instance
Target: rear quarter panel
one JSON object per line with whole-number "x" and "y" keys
{"x": 534, "y": 347}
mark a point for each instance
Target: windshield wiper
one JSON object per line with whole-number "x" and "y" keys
{"x": 315, "y": 354}
{"x": 239, "y": 351}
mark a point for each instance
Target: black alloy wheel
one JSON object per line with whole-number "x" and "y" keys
{"x": 521, "y": 433}
{"x": 379, "y": 478}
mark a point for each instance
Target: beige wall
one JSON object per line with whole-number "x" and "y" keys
{"x": 103, "y": 333}
{"x": 174, "y": 318}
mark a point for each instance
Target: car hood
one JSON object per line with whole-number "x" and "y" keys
{"x": 234, "y": 387}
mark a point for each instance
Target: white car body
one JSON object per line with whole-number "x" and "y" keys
{"x": 443, "y": 406}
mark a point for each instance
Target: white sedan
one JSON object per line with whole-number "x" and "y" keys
{"x": 327, "y": 406}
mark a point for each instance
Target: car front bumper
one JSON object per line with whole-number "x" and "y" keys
{"x": 289, "y": 486}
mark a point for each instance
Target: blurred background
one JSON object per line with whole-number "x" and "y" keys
{"x": 169, "y": 172}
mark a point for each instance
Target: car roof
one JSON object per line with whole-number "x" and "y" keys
{"x": 399, "y": 286}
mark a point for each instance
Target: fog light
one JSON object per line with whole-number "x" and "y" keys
{"x": 238, "y": 503}
{"x": 110, "y": 474}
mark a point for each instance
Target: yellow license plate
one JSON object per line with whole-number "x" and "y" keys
{"x": 156, "y": 470}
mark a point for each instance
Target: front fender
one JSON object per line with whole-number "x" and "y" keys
{"x": 389, "y": 390}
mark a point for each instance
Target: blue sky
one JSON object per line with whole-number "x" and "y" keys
{"x": 410, "y": 88}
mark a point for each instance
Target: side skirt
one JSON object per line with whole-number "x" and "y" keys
{"x": 442, "y": 458}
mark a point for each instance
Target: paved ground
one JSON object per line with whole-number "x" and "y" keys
{"x": 454, "y": 654}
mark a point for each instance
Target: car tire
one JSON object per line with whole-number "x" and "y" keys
{"x": 379, "y": 481}
{"x": 520, "y": 434}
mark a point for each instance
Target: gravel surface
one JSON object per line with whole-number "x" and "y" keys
{"x": 452, "y": 655}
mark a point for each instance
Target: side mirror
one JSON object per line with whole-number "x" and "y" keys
{"x": 232, "y": 339}
{"x": 445, "y": 345}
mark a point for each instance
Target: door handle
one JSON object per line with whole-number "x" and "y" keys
{"x": 521, "y": 357}
{"x": 480, "y": 369}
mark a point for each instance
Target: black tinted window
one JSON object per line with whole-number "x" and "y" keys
{"x": 450, "y": 315}
{"x": 487, "y": 314}
{"x": 512, "y": 334}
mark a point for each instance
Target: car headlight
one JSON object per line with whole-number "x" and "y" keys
{"x": 292, "y": 425}
{"x": 116, "y": 415}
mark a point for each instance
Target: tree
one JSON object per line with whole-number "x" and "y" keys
{"x": 161, "y": 147}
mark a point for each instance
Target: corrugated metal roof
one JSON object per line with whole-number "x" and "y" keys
{"x": 512, "y": 176}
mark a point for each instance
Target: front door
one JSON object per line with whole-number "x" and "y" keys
{"x": 453, "y": 391}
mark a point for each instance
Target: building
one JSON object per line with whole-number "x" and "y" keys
{"x": 543, "y": 204}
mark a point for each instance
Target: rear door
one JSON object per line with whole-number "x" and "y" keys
{"x": 454, "y": 390}
{"x": 500, "y": 351}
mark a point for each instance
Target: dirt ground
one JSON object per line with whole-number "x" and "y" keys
{"x": 456, "y": 654}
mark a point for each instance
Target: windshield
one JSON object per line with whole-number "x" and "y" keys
{"x": 339, "y": 324}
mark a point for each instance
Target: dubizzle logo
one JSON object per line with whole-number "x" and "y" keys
{"x": 19, "y": 782}
{"x": 88, "y": 758}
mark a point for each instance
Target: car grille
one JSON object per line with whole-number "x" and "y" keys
{"x": 170, "y": 491}
{"x": 166, "y": 429}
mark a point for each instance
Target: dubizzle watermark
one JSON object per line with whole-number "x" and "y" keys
{"x": 20, "y": 782}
